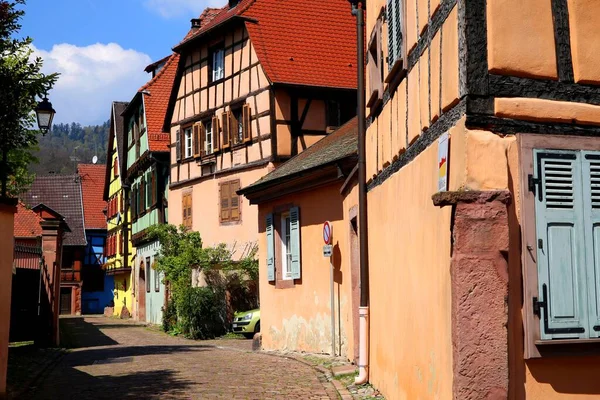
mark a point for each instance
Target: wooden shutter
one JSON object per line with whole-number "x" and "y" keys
{"x": 115, "y": 169}
{"x": 196, "y": 143}
{"x": 395, "y": 15}
{"x": 560, "y": 247}
{"x": 374, "y": 65}
{"x": 270, "y": 248}
{"x": 142, "y": 195}
{"x": 246, "y": 123}
{"x": 591, "y": 218}
{"x": 154, "y": 186}
{"x": 184, "y": 209}
{"x": 178, "y": 145}
{"x": 226, "y": 117}
{"x": 225, "y": 201}
{"x": 295, "y": 241}
{"x": 216, "y": 134}
{"x": 119, "y": 243}
{"x": 234, "y": 203}
{"x": 202, "y": 140}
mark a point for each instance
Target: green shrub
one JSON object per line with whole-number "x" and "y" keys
{"x": 202, "y": 312}
{"x": 169, "y": 321}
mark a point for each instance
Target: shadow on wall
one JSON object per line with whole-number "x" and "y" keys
{"x": 572, "y": 375}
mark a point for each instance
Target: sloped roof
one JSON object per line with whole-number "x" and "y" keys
{"x": 336, "y": 146}
{"x": 119, "y": 124}
{"x": 61, "y": 193}
{"x": 157, "y": 93}
{"x": 27, "y": 222}
{"x": 309, "y": 43}
{"x": 92, "y": 186}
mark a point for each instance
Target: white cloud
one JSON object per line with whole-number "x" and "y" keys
{"x": 177, "y": 8}
{"x": 91, "y": 78}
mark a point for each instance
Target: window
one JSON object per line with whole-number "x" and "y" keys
{"x": 115, "y": 168}
{"x": 230, "y": 201}
{"x": 156, "y": 278}
{"x": 237, "y": 126}
{"x": 186, "y": 205}
{"x": 188, "y": 142}
{"x": 141, "y": 120}
{"x": 148, "y": 274}
{"x": 208, "y": 137}
{"x": 286, "y": 246}
{"x": 141, "y": 196}
{"x": 284, "y": 253}
{"x": 149, "y": 188}
{"x": 567, "y": 212}
{"x": 217, "y": 63}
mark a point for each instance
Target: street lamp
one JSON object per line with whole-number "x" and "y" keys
{"x": 45, "y": 114}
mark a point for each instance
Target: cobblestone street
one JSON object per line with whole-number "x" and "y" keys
{"x": 118, "y": 359}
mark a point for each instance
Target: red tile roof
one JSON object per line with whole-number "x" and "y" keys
{"x": 157, "y": 93}
{"x": 27, "y": 223}
{"x": 310, "y": 42}
{"x": 92, "y": 187}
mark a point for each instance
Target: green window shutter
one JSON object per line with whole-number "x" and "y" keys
{"x": 591, "y": 217}
{"x": 270, "y": 249}
{"x": 295, "y": 241}
{"x": 391, "y": 24}
{"x": 560, "y": 247}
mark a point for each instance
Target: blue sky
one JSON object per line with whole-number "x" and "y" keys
{"x": 101, "y": 47}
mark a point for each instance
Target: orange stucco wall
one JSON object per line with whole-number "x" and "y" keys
{"x": 6, "y": 261}
{"x": 409, "y": 263}
{"x": 299, "y": 318}
{"x": 521, "y": 38}
{"x": 584, "y": 17}
{"x": 205, "y": 211}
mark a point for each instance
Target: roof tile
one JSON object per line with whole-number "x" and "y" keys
{"x": 27, "y": 222}
{"x": 157, "y": 93}
{"x": 310, "y": 42}
{"x": 92, "y": 186}
{"x": 62, "y": 193}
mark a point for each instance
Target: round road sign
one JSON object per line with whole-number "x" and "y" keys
{"x": 327, "y": 232}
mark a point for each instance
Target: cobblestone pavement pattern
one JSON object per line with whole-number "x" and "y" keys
{"x": 115, "y": 359}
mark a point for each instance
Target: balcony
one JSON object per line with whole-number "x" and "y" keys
{"x": 70, "y": 275}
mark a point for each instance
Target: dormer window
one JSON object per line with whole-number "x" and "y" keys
{"x": 217, "y": 63}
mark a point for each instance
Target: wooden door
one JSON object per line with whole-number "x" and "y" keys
{"x": 141, "y": 311}
{"x": 65, "y": 301}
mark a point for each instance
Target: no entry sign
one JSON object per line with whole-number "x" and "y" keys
{"x": 327, "y": 231}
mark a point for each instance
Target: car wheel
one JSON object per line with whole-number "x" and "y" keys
{"x": 257, "y": 327}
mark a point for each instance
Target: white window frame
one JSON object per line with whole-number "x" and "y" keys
{"x": 208, "y": 137}
{"x": 218, "y": 64}
{"x": 286, "y": 251}
{"x": 238, "y": 117}
{"x": 188, "y": 137}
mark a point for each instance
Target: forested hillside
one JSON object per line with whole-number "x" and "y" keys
{"x": 67, "y": 145}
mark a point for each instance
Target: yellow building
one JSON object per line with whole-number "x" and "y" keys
{"x": 119, "y": 256}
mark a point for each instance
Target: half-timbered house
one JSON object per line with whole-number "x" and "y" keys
{"x": 258, "y": 82}
{"x": 147, "y": 175}
{"x": 119, "y": 251}
{"x": 491, "y": 108}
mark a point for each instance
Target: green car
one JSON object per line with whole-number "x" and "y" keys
{"x": 247, "y": 323}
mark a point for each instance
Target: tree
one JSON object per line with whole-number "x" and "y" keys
{"x": 22, "y": 83}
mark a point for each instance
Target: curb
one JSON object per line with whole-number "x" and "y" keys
{"x": 326, "y": 375}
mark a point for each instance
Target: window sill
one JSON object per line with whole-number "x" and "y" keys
{"x": 207, "y": 160}
{"x": 556, "y": 342}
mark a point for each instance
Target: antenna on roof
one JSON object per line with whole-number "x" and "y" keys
{"x": 94, "y": 159}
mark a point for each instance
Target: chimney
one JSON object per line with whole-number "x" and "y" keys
{"x": 195, "y": 23}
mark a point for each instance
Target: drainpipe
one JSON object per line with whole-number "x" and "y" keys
{"x": 363, "y": 358}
